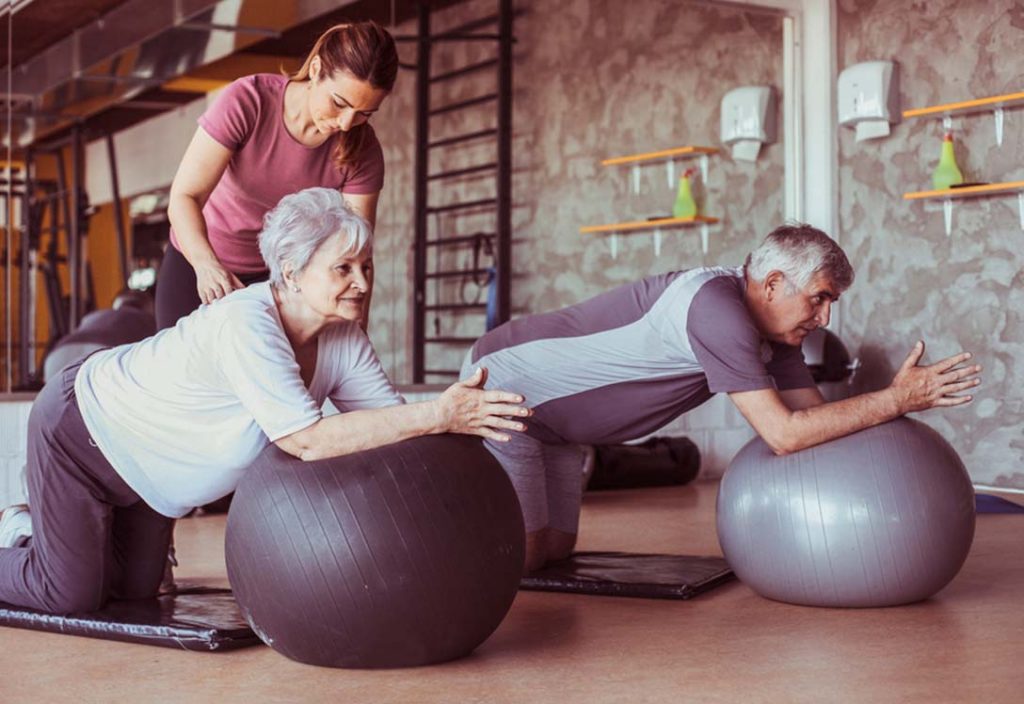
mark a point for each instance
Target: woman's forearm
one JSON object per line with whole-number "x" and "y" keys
{"x": 355, "y": 431}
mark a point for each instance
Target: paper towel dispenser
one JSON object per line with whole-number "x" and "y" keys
{"x": 869, "y": 98}
{"x": 748, "y": 120}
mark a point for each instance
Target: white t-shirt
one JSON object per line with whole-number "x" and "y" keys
{"x": 180, "y": 415}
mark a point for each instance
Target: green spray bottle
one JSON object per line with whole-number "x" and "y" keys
{"x": 685, "y": 206}
{"x": 947, "y": 173}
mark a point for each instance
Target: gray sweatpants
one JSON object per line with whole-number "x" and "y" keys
{"x": 548, "y": 479}
{"x": 93, "y": 538}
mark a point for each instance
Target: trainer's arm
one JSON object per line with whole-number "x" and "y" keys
{"x": 914, "y": 388}
{"x": 198, "y": 174}
{"x": 465, "y": 407}
{"x": 365, "y": 205}
{"x": 200, "y": 171}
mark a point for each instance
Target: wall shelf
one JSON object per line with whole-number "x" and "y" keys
{"x": 668, "y": 156}
{"x": 635, "y": 163}
{"x": 648, "y": 224}
{"x": 656, "y": 225}
{"x": 995, "y": 103}
{"x": 948, "y": 195}
{"x": 674, "y": 153}
{"x": 966, "y": 106}
{"x": 980, "y": 190}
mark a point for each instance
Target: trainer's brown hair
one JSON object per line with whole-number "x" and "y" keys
{"x": 367, "y": 52}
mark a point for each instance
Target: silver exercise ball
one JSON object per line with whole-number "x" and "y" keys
{"x": 878, "y": 518}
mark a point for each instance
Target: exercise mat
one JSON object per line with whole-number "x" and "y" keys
{"x": 989, "y": 503}
{"x": 635, "y": 575}
{"x": 193, "y": 618}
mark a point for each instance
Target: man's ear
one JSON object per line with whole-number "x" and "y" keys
{"x": 774, "y": 284}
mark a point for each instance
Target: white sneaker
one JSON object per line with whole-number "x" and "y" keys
{"x": 15, "y": 526}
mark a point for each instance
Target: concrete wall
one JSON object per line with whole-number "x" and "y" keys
{"x": 590, "y": 82}
{"x": 966, "y": 291}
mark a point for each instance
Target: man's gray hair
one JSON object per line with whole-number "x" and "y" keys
{"x": 800, "y": 252}
{"x": 301, "y": 223}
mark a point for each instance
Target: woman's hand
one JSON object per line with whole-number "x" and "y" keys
{"x": 465, "y": 407}
{"x": 213, "y": 281}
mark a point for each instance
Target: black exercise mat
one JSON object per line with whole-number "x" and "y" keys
{"x": 626, "y": 574}
{"x": 195, "y": 618}
{"x": 988, "y": 503}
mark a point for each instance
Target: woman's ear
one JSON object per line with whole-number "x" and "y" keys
{"x": 314, "y": 69}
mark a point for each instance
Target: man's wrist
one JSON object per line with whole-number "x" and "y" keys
{"x": 435, "y": 417}
{"x": 894, "y": 402}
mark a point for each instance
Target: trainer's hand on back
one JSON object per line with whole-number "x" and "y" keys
{"x": 213, "y": 281}
{"x": 466, "y": 407}
{"x": 920, "y": 387}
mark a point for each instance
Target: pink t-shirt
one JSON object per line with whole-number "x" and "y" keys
{"x": 268, "y": 164}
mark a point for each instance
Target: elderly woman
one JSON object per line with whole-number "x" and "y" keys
{"x": 132, "y": 437}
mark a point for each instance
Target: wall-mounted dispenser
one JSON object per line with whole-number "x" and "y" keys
{"x": 869, "y": 98}
{"x": 748, "y": 120}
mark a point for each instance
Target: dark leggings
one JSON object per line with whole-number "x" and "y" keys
{"x": 176, "y": 294}
{"x": 93, "y": 538}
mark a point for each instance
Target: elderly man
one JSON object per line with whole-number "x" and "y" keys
{"x": 627, "y": 362}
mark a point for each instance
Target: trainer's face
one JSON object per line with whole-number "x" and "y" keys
{"x": 340, "y": 102}
{"x": 792, "y": 314}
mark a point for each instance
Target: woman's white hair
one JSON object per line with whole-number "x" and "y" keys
{"x": 301, "y": 223}
{"x": 800, "y": 252}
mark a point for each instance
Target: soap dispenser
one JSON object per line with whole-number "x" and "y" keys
{"x": 685, "y": 206}
{"x": 947, "y": 173}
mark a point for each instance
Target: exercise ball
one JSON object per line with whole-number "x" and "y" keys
{"x": 99, "y": 329}
{"x": 405, "y": 555}
{"x": 877, "y": 518}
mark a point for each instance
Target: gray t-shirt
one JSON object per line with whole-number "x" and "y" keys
{"x": 627, "y": 362}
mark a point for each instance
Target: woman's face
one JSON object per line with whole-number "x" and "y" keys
{"x": 340, "y": 102}
{"x": 336, "y": 281}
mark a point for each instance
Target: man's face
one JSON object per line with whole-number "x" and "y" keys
{"x": 792, "y": 314}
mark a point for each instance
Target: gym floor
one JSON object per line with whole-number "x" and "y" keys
{"x": 728, "y": 645}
